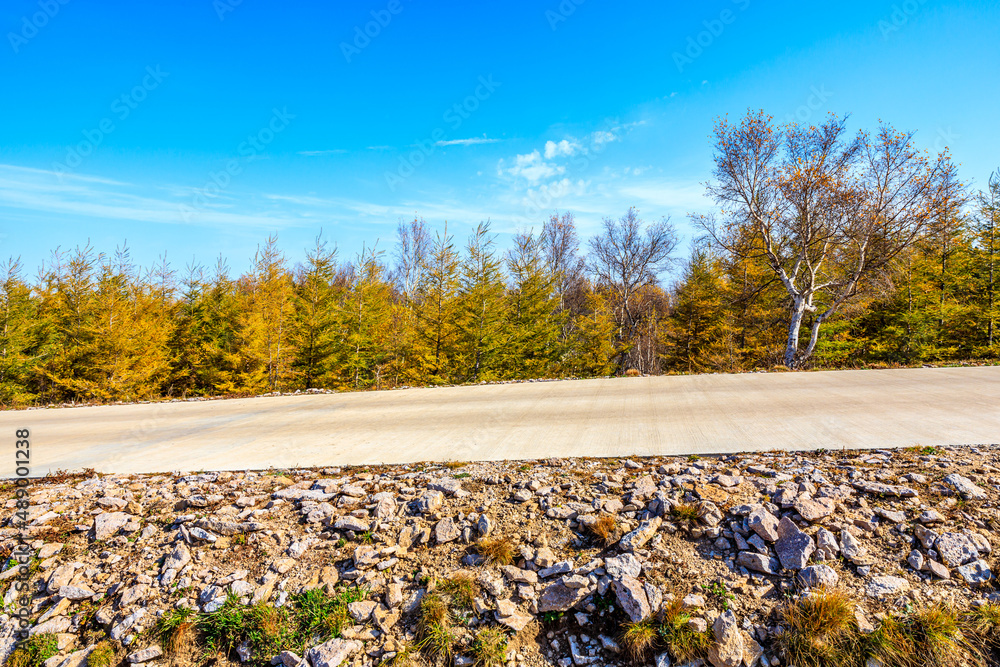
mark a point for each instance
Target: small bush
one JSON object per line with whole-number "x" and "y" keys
{"x": 103, "y": 655}
{"x": 496, "y": 551}
{"x": 605, "y": 529}
{"x": 489, "y": 647}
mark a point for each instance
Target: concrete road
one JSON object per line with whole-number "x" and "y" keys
{"x": 618, "y": 417}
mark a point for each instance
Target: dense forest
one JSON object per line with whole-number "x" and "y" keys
{"x": 875, "y": 250}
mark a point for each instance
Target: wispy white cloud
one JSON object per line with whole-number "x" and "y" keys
{"x": 73, "y": 195}
{"x": 472, "y": 141}
{"x": 665, "y": 194}
{"x": 331, "y": 151}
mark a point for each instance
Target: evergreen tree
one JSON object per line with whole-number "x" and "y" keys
{"x": 313, "y": 331}
{"x": 480, "y": 314}
{"x": 592, "y": 349}
{"x": 67, "y": 305}
{"x": 987, "y": 262}
{"x": 17, "y": 336}
{"x": 436, "y": 307}
{"x": 364, "y": 325}
{"x": 700, "y": 337}
{"x": 535, "y": 319}
{"x": 266, "y": 322}
{"x": 132, "y": 331}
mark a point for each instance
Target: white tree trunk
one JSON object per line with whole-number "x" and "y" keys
{"x": 792, "y": 348}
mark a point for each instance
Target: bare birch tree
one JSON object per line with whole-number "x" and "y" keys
{"x": 627, "y": 256}
{"x": 828, "y": 210}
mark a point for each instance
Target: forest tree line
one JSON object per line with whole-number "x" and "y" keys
{"x": 873, "y": 249}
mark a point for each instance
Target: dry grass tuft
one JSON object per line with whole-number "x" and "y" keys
{"x": 606, "y": 529}
{"x": 103, "y": 655}
{"x": 639, "y": 639}
{"x": 982, "y": 624}
{"x": 820, "y": 630}
{"x": 433, "y": 609}
{"x": 434, "y": 628}
{"x": 496, "y": 551}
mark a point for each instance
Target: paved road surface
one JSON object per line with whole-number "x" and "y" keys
{"x": 617, "y": 417}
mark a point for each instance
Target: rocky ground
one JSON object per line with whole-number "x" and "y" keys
{"x": 593, "y": 544}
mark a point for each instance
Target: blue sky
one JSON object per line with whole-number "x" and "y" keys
{"x": 201, "y": 126}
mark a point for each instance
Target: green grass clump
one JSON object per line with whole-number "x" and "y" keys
{"x": 34, "y": 651}
{"x": 684, "y": 512}
{"x": 671, "y": 631}
{"x": 461, "y": 587}
{"x": 103, "y": 655}
{"x": 489, "y": 647}
{"x": 173, "y": 626}
{"x": 321, "y": 615}
{"x": 681, "y": 640}
{"x": 312, "y": 617}
{"x": 265, "y": 629}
